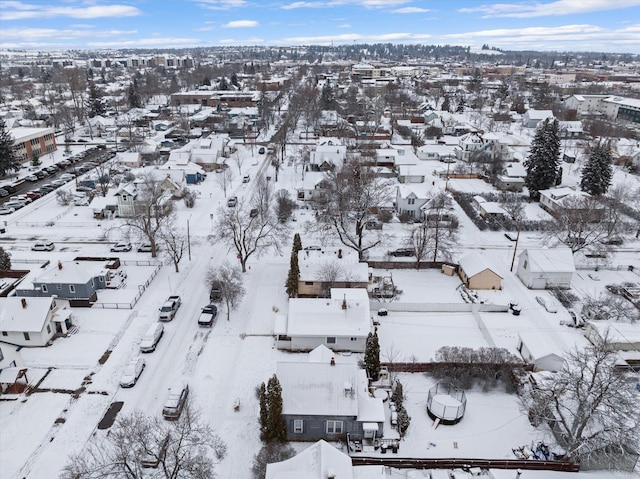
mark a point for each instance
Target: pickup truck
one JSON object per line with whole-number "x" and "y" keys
{"x": 169, "y": 308}
{"x": 208, "y": 315}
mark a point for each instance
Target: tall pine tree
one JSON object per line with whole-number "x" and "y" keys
{"x": 544, "y": 158}
{"x": 264, "y": 412}
{"x": 297, "y": 243}
{"x": 277, "y": 429}
{"x": 597, "y": 172}
{"x": 8, "y": 159}
{"x": 372, "y": 356}
{"x": 294, "y": 269}
{"x": 5, "y": 259}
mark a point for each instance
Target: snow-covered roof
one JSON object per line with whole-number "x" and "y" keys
{"x": 315, "y": 462}
{"x": 317, "y": 317}
{"x": 320, "y": 389}
{"x": 71, "y": 272}
{"x": 473, "y": 264}
{"x": 556, "y": 260}
{"x": 321, "y": 354}
{"x": 539, "y": 114}
{"x": 539, "y": 344}
{"x": 617, "y": 332}
{"x": 16, "y": 318}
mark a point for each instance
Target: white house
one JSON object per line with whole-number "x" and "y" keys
{"x": 620, "y": 336}
{"x": 321, "y": 271}
{"x": 130, "y": 159}
{"x": 329, "y": 154}
{"x": 546, "y": 268}
{"x": 409, "y": 200}
{"x": 311, "y": 185}
{"x": 539, "y": 350}
{"x": 319, "y": 461}
{"x": 341, "y": 322}
{"x": 32, "y": 321}
{"x": 532, "y": 117}
{"x": 411, "y": 174}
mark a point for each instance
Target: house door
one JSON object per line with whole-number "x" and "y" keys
{"x": 58, "y": 328}
{"x": 370, "y": 434}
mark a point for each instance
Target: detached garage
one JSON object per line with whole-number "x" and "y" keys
{"x": 536, "y": 349}
{"x": 546, "y": 268}
{"x": 475, "y": 273}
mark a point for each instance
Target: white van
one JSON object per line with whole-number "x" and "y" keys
{"x": 151, "y": 338}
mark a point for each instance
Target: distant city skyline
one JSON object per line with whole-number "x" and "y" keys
{"x": 561, "y": 25}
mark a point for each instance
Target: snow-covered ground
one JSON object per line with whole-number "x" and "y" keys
{"x": 230, "y": 360}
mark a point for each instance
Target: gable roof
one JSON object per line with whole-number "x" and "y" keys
{"x": 556, "y": 260}
{"x": 473, "y": 264}
{"x": 316, "y": 462}
{"x": 16, "y": 318}
{"x": 316, "y": 317}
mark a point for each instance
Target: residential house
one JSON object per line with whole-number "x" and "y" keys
{"x": 469, "y": 145}
{"x": 570, "y": 130}
{"x": 182, "y": 170}
{"x": 130, "y": 159}
{"x": 341, "y": 322}
{"x": 623, "y": 337}
{"x": 72, "y": 280}
{"x": 328, "y": 400}
{"x": 488, "y": 209}
{"x": 476, "y": 273}
{"x": 546, "y": 268}
{"x": 512, "y": 177}
{"x": 411, "y": 174}
{"x": 319, "y": 461}
{"x": 328, "y": 268}
{"x": 436, "y": 152}
{"x": 34, "y": 321}
{"x": 126, "y": 197}
{"x": 532, "y": 117}
{"x": 313, "y": 186}
{"x": 539, "y": 350}
{"x": 329, "y": 154}
{"x": 562, "y": 199}
{"x": 409, "y": 201}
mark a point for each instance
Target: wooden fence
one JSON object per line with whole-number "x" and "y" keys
{"x": 465, "y": 463}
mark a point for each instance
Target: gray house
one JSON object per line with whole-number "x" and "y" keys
{"x": 72, "y": 280}
{"x": 326, "y": 400}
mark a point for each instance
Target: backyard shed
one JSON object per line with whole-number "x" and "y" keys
{"x": 475, "y": 273}
{"x": 546, "y": 268}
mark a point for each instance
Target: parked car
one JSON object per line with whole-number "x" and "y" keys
{"x": 41, "y": 174}
{"x": 233, "y": 201}
{"x": 121, "y": 247}
{"x": 153, "y": 459}
{"x": 47, "y": 187}
{"x": 51, "y": 169}
{"x": 31, "y": 178}
{"x": 43, "y": 246}
{"x": 23, "y": 198}
{"x": 170, "y": 308}
{"x": 261, "y": 150}
{"x": 64, "y": 163}
{"x": 176, "y": 400}
{"x": 132, "y": 372}
{"x": 215, "y": 294}
{"x": 403, "y": 252}
{"x": 208, "y": 315}
{"x": 66, "y": 177}
{"x": 81, "y": 201}
{"x": 34, "y": 195}
{"x": 145, "y": 248}
{"x": 246, "y": 179}
{"x": 15, "y": 204}
{"x": 253, "y": 213}
{"x": 7, "y": 210}
{"x": 313, "y": 248}
{"x": 151, "y": 337}
{"x": 3, "y": 193}
{"x": 58, "y": 183}
{"x": 547, "y": 304}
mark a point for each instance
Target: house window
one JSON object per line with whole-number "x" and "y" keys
{"x": 26, "y": 336}
{"x": 44, "y": 288}
{"x": 101, "y": 279}
{"x": 58, "y": 287}
{"x": 334, "y": 427}
{"x": 411, "y": 201}
{"x": 331, "y": 340}
{"x": 298, "y": 426}
{"x": 49, "y": 328}
{"x": 525, "y": 264}
{"x": 308, "y": 283}
{"x": 92, "y": 283}
{"x": 72, "y": 288}
{"x": 1, "y": 355}
{"x": 353, "y": 339}
{"x": 4, "y": 333}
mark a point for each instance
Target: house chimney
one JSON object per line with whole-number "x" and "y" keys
{"x": 344, "y": 302}
{"x": 24, "y": 303}
{"x": 333, "y": 361}
{"x": 59, "y": 265}
{"x": 340, "y": 253}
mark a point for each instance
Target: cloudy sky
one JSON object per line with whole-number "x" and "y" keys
{"x": 577, "y": 25}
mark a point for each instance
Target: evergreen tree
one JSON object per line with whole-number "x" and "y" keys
{"x": 223, "y": 84}
{"x": 446, "y": 104}
{"x": 234, "y": 79}
{"x": 372, "y": 356}
{"x": 544, "y": 158}
{"x": 597, "y": 172}
{"x": 277, "y": 429}
{"x": 327, "y": 98}
{"x": 5, "y": 259}
{"x": 293, "y": 276}
{"x": 297, "y": 243}
{"x": 398, "y": 394}
{"x": 133, "y": 95}
{"x": 264, "y": 412}
{"x": 95, "y": 102}
{"x": 403, "y": 421}
{"x": 8, "y": 159}
{"x": 35, "y": 159}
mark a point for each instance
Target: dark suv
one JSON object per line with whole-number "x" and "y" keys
{"x": 403, "y": 252}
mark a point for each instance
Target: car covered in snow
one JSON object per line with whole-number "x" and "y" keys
{"x": 208, "y": 315}
{"x": 176, "y": 400}
{"x": 132, "y": 372}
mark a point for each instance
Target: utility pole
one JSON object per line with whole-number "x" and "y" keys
{"x": 188, "y": 238}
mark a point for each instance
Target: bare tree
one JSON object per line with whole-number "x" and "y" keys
{"x": 238, "y": 159}
{"x": 611, "y": 308}
{"x": 224, "y": 179}
{"x": 229, "y": 281}
{"x": 284, "y": 205}
{"x": 250, "y": 234}
{"x": 435, "y": 238}
{"x": 332, "y": 272}
{"x": 182, "y": 448}
{"x": 578, "y": 225}
{"x": 64, "y": 197}
{"x": 514, "y": 207}
{"x": 175, "y": 242}
{"x": 151, "y": 211}
{"x": 590, "y": 406}
{"x": 353, "y": 194}
{"x": 272, "y": 451}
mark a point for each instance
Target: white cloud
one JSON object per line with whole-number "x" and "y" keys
{"x": 241, "y": 24}
{"x": 21, "y": 11}
{"x": 411, "y": 10}
{"x": 351, "y": 37}
{"x": 246, "y": 41}
{"x": 221, "y": 4}
{"x": 27, "y": 35}
{"x": 148, "y": 42}
{"x": 344, "y": 25}
{"x": 559, "y": 7}
{"x": 339, "y": 3}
